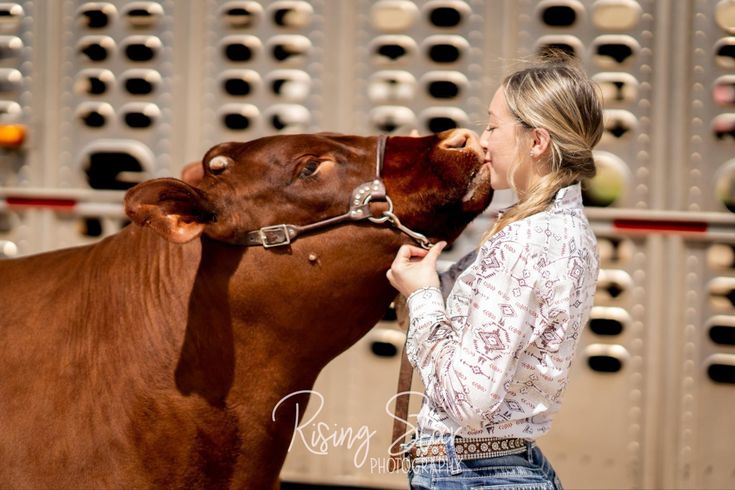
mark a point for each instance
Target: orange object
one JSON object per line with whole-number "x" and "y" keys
{"x": 12, "y": 135}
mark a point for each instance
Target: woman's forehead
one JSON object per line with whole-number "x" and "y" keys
{"x": 498, "y": 107}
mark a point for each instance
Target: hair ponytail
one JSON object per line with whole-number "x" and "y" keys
{"x": 558, "y": 96}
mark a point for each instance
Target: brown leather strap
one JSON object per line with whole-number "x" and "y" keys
{"x": 405, "y": 376}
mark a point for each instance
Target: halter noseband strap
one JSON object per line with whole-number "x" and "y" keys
{"x": 362, "y": 195}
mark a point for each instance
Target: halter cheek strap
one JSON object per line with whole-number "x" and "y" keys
{"x": 362, "y": 196}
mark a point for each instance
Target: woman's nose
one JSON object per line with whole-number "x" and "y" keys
{"x": 483, "y": 140}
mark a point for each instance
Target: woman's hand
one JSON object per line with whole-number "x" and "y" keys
{"x": 415, "y": 268}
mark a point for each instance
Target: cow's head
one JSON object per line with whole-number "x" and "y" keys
{"x": 437, "y": 185}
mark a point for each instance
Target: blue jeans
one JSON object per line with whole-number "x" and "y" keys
{"x": 529, "y": 470}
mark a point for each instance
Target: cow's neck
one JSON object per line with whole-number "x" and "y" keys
{"x": 251, "y": 326}
{"x": 301, "y": 306}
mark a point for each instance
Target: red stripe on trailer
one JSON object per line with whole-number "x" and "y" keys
{"x": 660, "y": 225}
{"x": 40, "y": 202}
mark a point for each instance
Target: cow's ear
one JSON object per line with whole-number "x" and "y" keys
{"x": 193, "y": 173}
{"x": 174, "y": 209}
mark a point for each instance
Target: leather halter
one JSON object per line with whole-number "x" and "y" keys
{"x": 362, "y": 196}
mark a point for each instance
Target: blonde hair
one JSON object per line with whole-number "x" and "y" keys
{"x": 555, "y": 95}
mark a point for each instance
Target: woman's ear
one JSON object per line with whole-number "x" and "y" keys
{"x": 540, "y": 143}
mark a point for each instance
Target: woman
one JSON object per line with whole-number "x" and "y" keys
{"x": 495, "y": 359}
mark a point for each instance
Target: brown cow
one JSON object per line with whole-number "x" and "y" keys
{"x": 154, "y": 358}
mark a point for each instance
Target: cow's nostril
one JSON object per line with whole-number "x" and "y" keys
{"x": 461, "y": 142}
{"x": 457, "y": 140}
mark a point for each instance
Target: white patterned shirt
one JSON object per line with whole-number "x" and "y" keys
{"x": 495, "y": 361}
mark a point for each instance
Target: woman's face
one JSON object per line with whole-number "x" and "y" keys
{"x": 500, "y": 142}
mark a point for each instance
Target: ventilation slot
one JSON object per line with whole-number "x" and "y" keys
{"x": 10, "y": 47}
{"x": 95, "y": 115}
{"x": 10, "y": 80}
{"x": 725, "y": 53}
{"x": 386, "y": 342}
{"x": 390, "y": 314}
{"x": 138, "y": 120}
{"x": 91, "y": 227}
{"x": 144, "y": 14}
{"x": 236, "y": 122}
{"x": 237, "y": 86}
{"x": 559, "y": 16}
{"x": 723, "y": 127}
{"x": 241, "y": 14}
{"x": 611, "y": 51}
{"x": 383, "y": 349}
{"x": 606, "y": 326}
{"x": 289, "y": 48}
{"x": 96, "y": 49}
{"x": 240, "y": 83}
{"x": 113, "y": 170}
{"x": 442, "y": 89}
{"x": 721, "y": 373}
{"x": 444, "y": 53}
{"x": 294, "y": 15}
{"x": 239, "y": 117}
{"x": 604, "y": 358}
{"x": 568, "y": 44}
{"x": 445, "y": 17}
{"x": 138, "y": 86}
{"x": 142, "y": 51}
{"x": 605, "y": 364}
{"x": 387, "y": 119}
{"x": 94, "y": 82}
{"x": 238, "y": 52}
{"x": 94, "y": 17}
{"x": 722, "y": 334}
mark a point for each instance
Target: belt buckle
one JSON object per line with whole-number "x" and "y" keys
{"x": 274, "y": 236}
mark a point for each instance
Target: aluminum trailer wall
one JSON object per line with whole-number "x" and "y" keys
{"x": 96, "y": 96}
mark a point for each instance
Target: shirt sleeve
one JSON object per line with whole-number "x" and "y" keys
{"x": 468, "y": 357}
{"x": 449, "y": 277}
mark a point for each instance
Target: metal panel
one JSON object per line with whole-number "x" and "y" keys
{"x": 117, "y": 84}
{"x": 702, "y": 380}
{"x": 421, "y": 65}
{"x": 615, "y": 42}
{"x": 279, "y": 66}
{"x": 21, "y": 102}
{"x": 262, "y": 67}
{"x": 597, "y": 439}
{"x": 707, "y": 122}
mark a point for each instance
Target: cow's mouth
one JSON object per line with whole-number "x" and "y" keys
{"x": 479, "y": 191}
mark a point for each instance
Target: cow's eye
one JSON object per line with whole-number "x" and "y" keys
{"x": 310, "y": 169}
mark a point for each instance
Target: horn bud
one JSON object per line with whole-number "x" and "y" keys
{"x": 219, "y": 163}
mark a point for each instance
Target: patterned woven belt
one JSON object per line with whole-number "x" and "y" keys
{"x": 466, "y": 449}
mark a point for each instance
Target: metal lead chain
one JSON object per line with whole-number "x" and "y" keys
{"x": 391, "y": 218}
{"x": 421, "y": 239}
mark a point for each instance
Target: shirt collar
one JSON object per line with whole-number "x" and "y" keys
{"x": 569, "y": 197}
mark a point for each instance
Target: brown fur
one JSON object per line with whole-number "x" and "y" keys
{"x": 154, "y": 357}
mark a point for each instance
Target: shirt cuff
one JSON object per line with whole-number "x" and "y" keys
{"x": 422, "y": 294}
{"x": 426, "y": 305}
